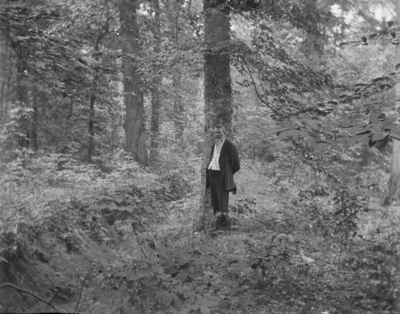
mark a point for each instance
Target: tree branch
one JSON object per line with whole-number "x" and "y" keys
{"x": 26, "y": 63}
{"x": 31, "y": 293}
{"x": 257, "y": 92}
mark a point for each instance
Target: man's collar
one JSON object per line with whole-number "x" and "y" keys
{"x": 222, "y": 141}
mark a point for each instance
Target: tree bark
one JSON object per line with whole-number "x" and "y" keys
{"x": 394, "y": 180}
{"x": 313, "y": 45}
{"x": 92, "y": 109}
{"x": 177, "y": 75}
{"x": 133, "y": 96}
{"x": 35, "y": 120}
{"x": 174, "y": 8}
{"x": 3, "y": 78}
{"x": 217, "y": 83}
{"x": 22, "y": 100}
{"x": 91, "y": 123}
{"x": 156, "y": 86}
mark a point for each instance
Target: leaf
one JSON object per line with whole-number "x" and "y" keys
{"x": 320, "y": 147}
{"x": 379, "y": 136}
{"x": 118, "y": 200}
{"x": 188, "y": 294}
{"x": 176, "y": 299}
{"x": 165, "y": 261}
{"x": 126, "y": 208}
{"x": 113, "y": 207}
{"x": 204, "y": 310}
{"x": 165, "y": 297}
{"x": 283, "y": 263}
{"x": 138, "y": 227}
{"x": 337, "y": 148}
{"x": 294, "y": 133}
{"x": 98, "y": 207}
{"x": 359, "y": 138}
{"x": 132, "y": 277}
{"x": 208, "y": 300}
{"x": 274, "y": 131}
{"x": 143, "y": 182}
{"x": 149, "y": 210}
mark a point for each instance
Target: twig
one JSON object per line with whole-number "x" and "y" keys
{"x": 80, "y": 293}
{"x": 30, "y": 293}
{"x": 256, "y": 90}
{"x": 84, "y": 299}
{"x": 141, "y": 248}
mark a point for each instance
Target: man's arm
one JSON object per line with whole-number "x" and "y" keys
{"x": 235, "y": 163}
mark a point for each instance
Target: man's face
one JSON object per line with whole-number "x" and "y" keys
{"x": 218, "y": 134}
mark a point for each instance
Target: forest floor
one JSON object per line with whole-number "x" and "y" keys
{"x": 100, "y": 258}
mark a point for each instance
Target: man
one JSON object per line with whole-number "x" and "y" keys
{"x": 223, "y": 164}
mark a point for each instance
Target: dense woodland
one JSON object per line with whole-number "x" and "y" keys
{"x": 107, "y": 109}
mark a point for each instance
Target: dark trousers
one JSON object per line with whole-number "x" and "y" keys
{"x": 219, "y": 197}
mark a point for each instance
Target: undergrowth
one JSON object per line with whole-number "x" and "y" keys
{"x": 303, "y": 242}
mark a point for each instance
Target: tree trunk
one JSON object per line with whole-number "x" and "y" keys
{"x": 178, "y": 105}
{"x": 156, "y": 86}
{"x": 6, "y": 74}
{"x": 35, "y": 120}
{"x": 176, "y": 74}
{"x": 92, "y": 109}
{"x": 174, "y": 8}
{"x": 22, "y": 100}
{"x": 133, "y": 96}
{"x": 394, "y": 180}
{"x": 91, "y": 123}
{"x": 3, "y": 78}
{"x": 313, "y": 45}
{"x": 217, "y": 83}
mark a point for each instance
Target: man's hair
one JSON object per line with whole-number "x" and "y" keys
{"x": 220, "y": 127}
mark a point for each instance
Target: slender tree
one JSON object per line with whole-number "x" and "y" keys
{"x": 133, "y": 95}
{"x": 102, "y": 32}
{"x": 4, "y": 76}
{"x": 156, "y": 84}
{"x": 35, "y": 119}
{"x": 175, "y": 11}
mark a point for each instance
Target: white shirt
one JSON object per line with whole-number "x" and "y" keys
{"x": 214, "y": 164}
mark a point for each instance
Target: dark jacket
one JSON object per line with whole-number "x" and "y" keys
{"x": 229, "y": 165}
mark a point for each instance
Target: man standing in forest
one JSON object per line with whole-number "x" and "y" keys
{"x": 223, "y": 164}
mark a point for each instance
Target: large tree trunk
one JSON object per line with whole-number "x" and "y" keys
{"x": 217, "y": 82}
{"x": 133, "y": 96}
{"x": 394, "y": 180}
{"x": 156, "y": 82}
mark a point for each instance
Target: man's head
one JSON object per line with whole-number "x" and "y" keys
{"x": 219, "y": 132}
